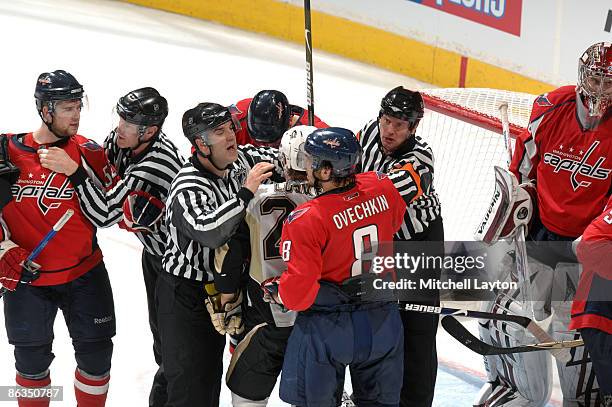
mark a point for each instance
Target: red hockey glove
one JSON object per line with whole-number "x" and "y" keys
{"x": 142, "y": 212}
{"x": 13, "y": 266}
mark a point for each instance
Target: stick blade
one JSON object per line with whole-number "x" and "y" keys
{"x": 460, "y": 333}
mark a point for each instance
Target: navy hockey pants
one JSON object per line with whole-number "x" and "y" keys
{"x": 87, "y": 305}
{"x": 599, "y": 345}
{"x": 366, "y": 337}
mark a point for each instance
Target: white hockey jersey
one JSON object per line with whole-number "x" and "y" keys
{"x": 265, "y": 216}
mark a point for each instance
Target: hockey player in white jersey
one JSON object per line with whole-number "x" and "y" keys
{"x": 257, "y": 361}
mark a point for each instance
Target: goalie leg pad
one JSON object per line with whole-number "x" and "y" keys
{"x": 518, "y": 379}
{"x": 576, "y": 377}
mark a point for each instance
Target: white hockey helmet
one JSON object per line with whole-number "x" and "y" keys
{"x": 292, "y": 147}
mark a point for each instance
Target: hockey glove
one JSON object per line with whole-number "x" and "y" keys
{"x": 270, "y": 290}
{"x": 14, "y": 268}
{"x": 142, "y": 212}
{"x": 513, "y": 205}
{"x": 226, "y": 318}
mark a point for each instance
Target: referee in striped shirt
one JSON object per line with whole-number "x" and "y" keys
{"x": 389, "y": 142}
{"x": 147, "y": 161}
{"x": 207, "y": 202}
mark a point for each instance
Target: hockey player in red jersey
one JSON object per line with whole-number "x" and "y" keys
{"x": 565, "y": 153}
{"x": 322, "y": 244}
{"x": 147, "y": 161}
{"x": 592, "y": 306}
{"x": 72, "y": 274}
{"x": 265, "y": 117}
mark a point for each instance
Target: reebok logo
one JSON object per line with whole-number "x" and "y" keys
{"x": 103, "y": 320}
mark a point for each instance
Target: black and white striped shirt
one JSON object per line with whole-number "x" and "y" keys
{"x": 151, "y": 171}
{"x": 425, "y": 209}
{"x": 204, "y": 211}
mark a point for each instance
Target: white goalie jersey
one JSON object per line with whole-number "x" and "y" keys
{"x": 265, "y": 216}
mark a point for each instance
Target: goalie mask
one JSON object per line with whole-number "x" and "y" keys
{"x": 594, "y": 90}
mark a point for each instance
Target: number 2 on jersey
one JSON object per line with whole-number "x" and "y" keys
{"x": 271, "y": 242}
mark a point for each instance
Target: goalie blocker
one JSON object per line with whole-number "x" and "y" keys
{"x": 512, "y": 206}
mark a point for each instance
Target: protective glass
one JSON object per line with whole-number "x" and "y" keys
{"x": 123, "y": 126}
{"x": 68, "y": 108}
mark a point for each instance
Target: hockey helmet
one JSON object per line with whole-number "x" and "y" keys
{"x": 291, "y": 148}
{"x": 336, "y": 146}
{"x": 56, "y": 86}
{"x": 403, "y": 104}
{"x": 268, "y": 116}
{"x": 199, "y": 121}
{"x": 594, "y": 84}
{"x": 143, "y": 107}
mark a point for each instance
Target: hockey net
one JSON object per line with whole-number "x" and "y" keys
{"x": 463, "y": 128}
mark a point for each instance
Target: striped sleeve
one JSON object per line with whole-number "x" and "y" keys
{"x": 252, "y": 155}
{"x": 103, "y": 208}
{"x": 154, "y": 174}
{"x": 111, "y": 148}
{"x": 194, "y": 217}
{"x": 407, "y": 182}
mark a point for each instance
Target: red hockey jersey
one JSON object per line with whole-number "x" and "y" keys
{"x": 323, "y": 239}
{"x": 41, "y": 197}
{"x": 243, "y": 137}
{"x": 571, "y": 167}
{"x": 592, "y": 306}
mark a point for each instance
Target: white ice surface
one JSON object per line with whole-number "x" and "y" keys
{"x": 112, "y": 47}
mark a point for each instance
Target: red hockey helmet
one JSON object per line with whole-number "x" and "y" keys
{"x": 595, "y": 81}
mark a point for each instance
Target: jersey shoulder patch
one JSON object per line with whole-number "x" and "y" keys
{"x": 543, "y": 101}
{"x": 296, "y": 214}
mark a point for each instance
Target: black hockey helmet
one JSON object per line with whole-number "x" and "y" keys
{"x": 55, "y": 86}
{"x": 338, "y": 146}
{"x": 143, "y": 107}
{"x": 403, "y": 104}
{"x": 268, "y": 116}
{"x": 198, "y": 121}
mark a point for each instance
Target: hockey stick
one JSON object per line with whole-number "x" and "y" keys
{"x": 522, "y": 266}
{"x": 309, "y": 72}
{"x": 41, "y": 245}
{"x": 526, "y": 322}
{"x": 459, "y": 332}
